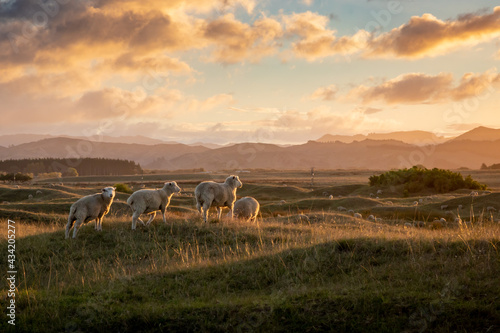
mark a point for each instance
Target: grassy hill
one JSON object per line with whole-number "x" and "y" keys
{"x": 305, "y": 266}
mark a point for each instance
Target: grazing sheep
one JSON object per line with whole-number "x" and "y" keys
{"x": 90, "y": 207}
{"x": 16, "y": 186}
{"x": 379, "y": 192}
{"x": 408, "y": 225}
{"x": 442, "y": 220}
{"x": 474, "y": 194}
{"x": 372, "y": 195}
{"x": 30, "y": 196}
{"x": 371, "y": 217}
{"x": 491, "y": 209}
{"x": 460, "y": 206}
{"x": 246, "y": 208}
{"x": 443, "y": 207}
{"x": 330, "y": 197}
{"x": 220, "y": 195}
{"x": 150, "y": 201}
{"x": 302, "y": 218}
{"x": 458, "y": 220}
{"x": 282, "y": 202}
{"x": 325, "y": 194}
{"x": 5, "y": 202}
{"x": 38, "y": 192}
{"x": 415, "y": 203}
{"x": 350, "y": 211}
{"x": 358, "y": 215}
{"x": 341, "y": 209}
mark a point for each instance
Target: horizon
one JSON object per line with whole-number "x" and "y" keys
{"x": 224, "y": 72}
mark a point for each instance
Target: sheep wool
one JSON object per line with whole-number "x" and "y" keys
{"x": 88, "y": 208}
{"x": 150, "y": 201}
{"x": 219, "y": 195}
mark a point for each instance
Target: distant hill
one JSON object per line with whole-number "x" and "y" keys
{"x": 365, "y": 154}
{"x": 480, "y": 133}
{"x": 411, "y": 137}
{"x": 72, "y": 148}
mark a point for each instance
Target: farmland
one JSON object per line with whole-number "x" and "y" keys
{"x": 304, "y": 266}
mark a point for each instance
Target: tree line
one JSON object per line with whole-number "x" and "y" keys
{"x": 71, "y": 167}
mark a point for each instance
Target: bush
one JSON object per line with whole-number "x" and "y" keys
{"x": 124, "y": 188}
{"x": 417, "y": 179}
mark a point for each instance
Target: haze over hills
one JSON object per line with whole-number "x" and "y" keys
{"x": 411, "y": 137}
{"x": 366, "y": 154}
{"x": 480, "y": 133}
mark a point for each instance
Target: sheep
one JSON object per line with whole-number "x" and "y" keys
{"x": 341, "y": 209}
{"x": 491, "y": 208}
{"x": 358, "y": 215}
{"x": 282, "y": 202}
{"x": 442, "y": 220}
{"x": 90, "y": 207}
{"x": 371, "y": 217}
{"x": 372, "y": 195}
{"x": 330, "y": 197}
{"x": 408, "y": 225}
{"x": 421, "y": 200}
{"x": 219, "y": 195}
{"x": 379, "y": 192}
{"x": 30, "y": 196}
{"x": 474, "y": 194}
{"x": 443, "y": 207}
{"x": 415, "y": 203}
{"x": 38, "y": 192}
{"x": 460, "y": 206}
{"x": 150, "y": 201}
{"x": 246, "y": 208}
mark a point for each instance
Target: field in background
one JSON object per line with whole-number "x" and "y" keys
{"x": 305, "y": 266}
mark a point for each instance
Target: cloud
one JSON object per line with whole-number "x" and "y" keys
{"x": 235, "y": 41}
{"x": 427, "y": 36}
{"x": 324, "y": 93}
{"x": 415, "y": 88}
{"x": 316, "y": 40}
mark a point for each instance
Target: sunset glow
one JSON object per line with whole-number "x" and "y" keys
{"x": 247, "y": 70}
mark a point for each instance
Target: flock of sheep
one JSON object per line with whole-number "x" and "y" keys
{"x": 208, "y": 194}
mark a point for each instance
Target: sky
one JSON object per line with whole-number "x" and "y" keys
{"x": 225, "y": 71}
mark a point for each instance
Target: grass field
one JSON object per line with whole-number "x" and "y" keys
{"x": 304, "y": 266}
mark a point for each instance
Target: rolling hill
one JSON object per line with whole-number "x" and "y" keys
{"x": 378, "y": 154}
{"x": 411, "y": 137}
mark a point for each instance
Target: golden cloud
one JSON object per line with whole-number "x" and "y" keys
{"x": 324, "y": 93}
{"x": 413, "y": 88}
{"x": 428, "y": 36}
{"x": 235, "y": 41}
{"x": 316, "y": 40}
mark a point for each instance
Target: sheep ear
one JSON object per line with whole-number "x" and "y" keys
{"x": 114, "y": 188}
{"x": 103, "y": 190}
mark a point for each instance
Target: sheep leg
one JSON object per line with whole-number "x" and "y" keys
{"x": 151, "y": 218}
{"x": 99, "y": 222}
{"x": 205, "y": 212}
{"x": 219, "y": 213}
{"x": 231, "y": 212}
{"x": 77, "y": 226}
{"x": 135, "y": 218}
{"x": 68, "y": 228}
{"x": 163, "y": 214}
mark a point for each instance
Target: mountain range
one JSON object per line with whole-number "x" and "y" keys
{"x": 470, "y": 150}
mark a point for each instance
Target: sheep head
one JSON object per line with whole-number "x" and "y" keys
{"x": 174, "y": 188}
{"x": 108, "y": 192}
{"x": 234, "y": 181}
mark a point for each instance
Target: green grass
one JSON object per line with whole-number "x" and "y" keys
{"x": 326, "y": 272}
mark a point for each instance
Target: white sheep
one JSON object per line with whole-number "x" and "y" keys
{"x": 88, "y": 208}
{"x": 38, "y": 192}
{"x": 219, "y": 195}
{"x": 358, "y": 215}
{"x": 371, "y": 218}
{"x": 443, "y": 207}
{"x": 246, "y": 208}
{"x": 341, "y": 209}
{"x": 30, "y": 196}
{"x": 379, "y": 192}
{"x": 150, "y": 201}
{"x": 330, "y": 197}
{"x": 491, "y": 208}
